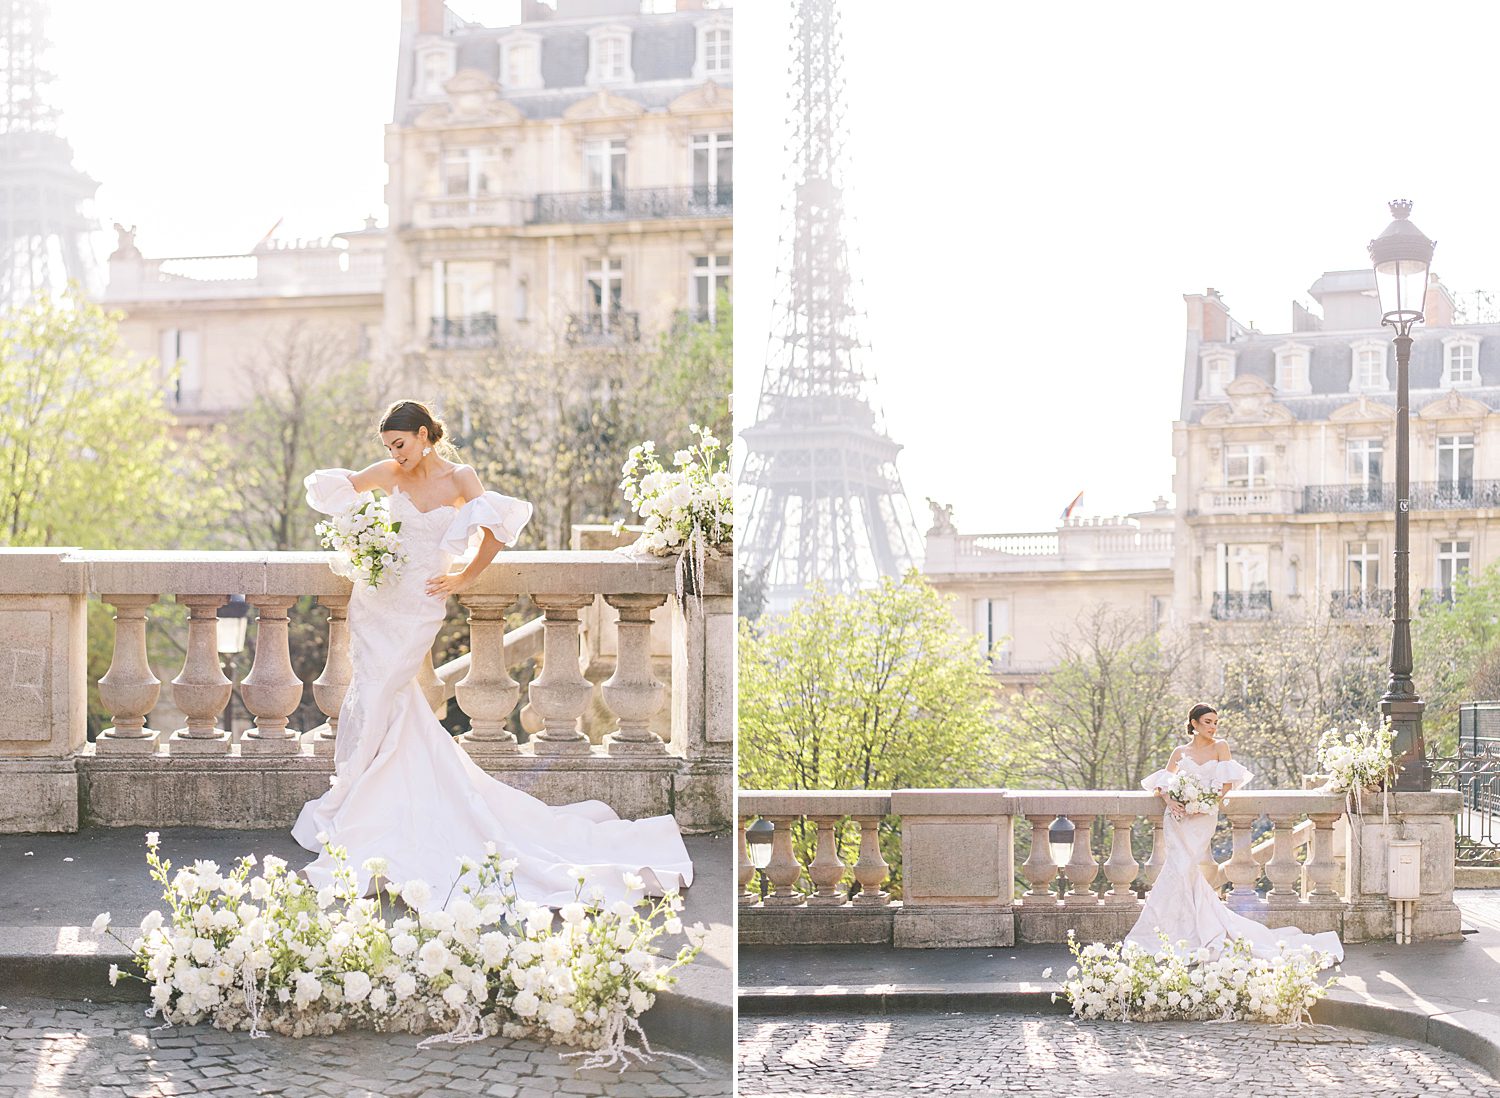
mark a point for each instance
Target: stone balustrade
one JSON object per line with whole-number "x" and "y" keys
{"x": 977, "y": 869}
{"x": 664, "y": 750}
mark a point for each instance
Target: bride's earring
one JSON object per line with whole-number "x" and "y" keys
{"x": 426, "y": 450}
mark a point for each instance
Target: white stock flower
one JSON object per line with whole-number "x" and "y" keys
{"x": 153, "y": 838}
{"x": 114, "y": 975}
{"x": 403, "y": 945}
{"x": 572, "y": 913}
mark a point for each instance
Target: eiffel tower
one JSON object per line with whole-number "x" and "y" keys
{"x": 43, "y": 230}
{"x": 826, "y": 503}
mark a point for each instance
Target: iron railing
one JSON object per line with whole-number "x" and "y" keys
{"x": 1475, "y": 772}
{"x": 477, "y": 330}
{"x": 1241, "y": 605}
{"x": 603, "y": 327}
{"x": 1370, "y": 602}
{"x": 634, "y": 203}
{"x": 1437, "y": 495}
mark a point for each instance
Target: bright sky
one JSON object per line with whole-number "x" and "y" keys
{"x": 1038, "y": 185}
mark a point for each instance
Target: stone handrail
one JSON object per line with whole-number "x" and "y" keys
{"x": 959, "y": 865}
{"x": 134, "y": 774}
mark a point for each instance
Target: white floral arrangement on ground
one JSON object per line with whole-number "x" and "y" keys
{"x": 365, "y": 542}
{"x": 1356, "y": 760}
{"x": 270, "y": 952}
{"x": 1127, "y": 983}
{"x": 688, "y": 510}
{"x": 1196, "y": 796}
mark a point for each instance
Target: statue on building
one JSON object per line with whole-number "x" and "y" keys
{"x": 125, "y": 247}
{"x": 942, "y": 519}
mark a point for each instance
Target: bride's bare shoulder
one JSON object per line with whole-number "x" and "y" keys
{"x": 468, "y": 481}
{"x": 1221, "y": 749}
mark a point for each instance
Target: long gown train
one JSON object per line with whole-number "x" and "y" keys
{"x": 1185, "y": 906}
{"x": 405, "y": 791}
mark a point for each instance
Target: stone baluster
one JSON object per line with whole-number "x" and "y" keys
{"x": 1322, "y": 868}
{"x": 200, "y": 689}
{"x": 1158, "y": 858}
{"x": 1038, "y": 869}
{"x": 1242, "y": 870}
{"x": 487, "y": 693}
{"x": 332, "y": 685}
{"x": 1121, "y": 867}
{"x": 744, "y": 871}
{"x": 871, "y": 870}
{"x": 431, "y": 686}
{"x": 272, "y": 691}
{"x": 1283, "y": 869}
{"x": 561, "y": 693}
{"x": 784, "y": 870}
{"x": 1084, "y": 867}
{"x": 826, "y": 869}
{"x": 633, "y": 693}
{"x": 129, "y": 689}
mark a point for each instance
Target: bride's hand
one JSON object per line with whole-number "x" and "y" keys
{"x": 447, "y": 583}
{"x": 1175, "y": 808}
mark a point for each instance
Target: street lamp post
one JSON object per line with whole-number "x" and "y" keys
{"x": 1401, "y": 256}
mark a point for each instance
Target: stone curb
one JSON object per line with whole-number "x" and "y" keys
{"x": 69, "y": 963}
{"x": 1471, "y": 1034}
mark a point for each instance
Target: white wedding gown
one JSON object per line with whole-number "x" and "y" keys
{"x": 405, "y": 791}
{"x": 1185, "y": 906}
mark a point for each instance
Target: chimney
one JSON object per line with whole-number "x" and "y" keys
{"x": 430, "y": 17}
{"x": 1208, "y": 316}
{"x": 1438, "y": 307}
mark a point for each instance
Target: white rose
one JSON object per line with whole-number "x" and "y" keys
{"x": 455, "y": 995}
{"x": 416, "y": 894}
{"x": 356, "y": 986}
{"x": 202, "y": 949}
{"x": 403, "y": 945}
{"x": 571, "y": 913}
{"x": 405, "y": 986}
{"x": 526, "y": 1004}
{"x": 433, "y": 957}
{"x": 380, "y": 998}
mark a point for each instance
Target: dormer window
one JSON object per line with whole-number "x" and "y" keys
{"x": 609, "y": 56}
{"x": 1367, "y": 367}
{"x": 520, "y": 62}
{"x": 715, "y": 49}
{"x": 1292, "y": 369}
{"x": 1460, "y": 362}
{"x": 434, "y": 69}
{"x": 1218, "y": 372}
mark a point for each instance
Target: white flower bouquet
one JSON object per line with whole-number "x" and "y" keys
{"x": 365, "y": 542}
{"x": 688, "y": 510}
{"x": 1196, "y": 796}
{"x": 1356, "y": 760}
{"x": 1125, "y": 982}
{"x": 270, "y": 952}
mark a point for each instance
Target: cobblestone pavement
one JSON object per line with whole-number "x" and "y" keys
{"x": 840, "y": 1054}
{"x": 82, "y": 1050}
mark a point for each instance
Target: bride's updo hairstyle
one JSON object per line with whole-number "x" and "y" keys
{"x": 409, "y": 415}
{"x": 1198, "y": 712}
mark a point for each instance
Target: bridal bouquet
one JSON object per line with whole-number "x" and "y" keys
{"x": 688, "y": 510}
{"x": 1126, "y": 982}
{"x": 1356, "y": 760}
{"x": 364, "y": 540}
{"x": 271, "y": 951}
{"x": 1196, "y": 797}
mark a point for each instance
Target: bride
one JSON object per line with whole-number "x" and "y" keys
{"x": 1182, "y": 903}
{"x": 403, "y": 789}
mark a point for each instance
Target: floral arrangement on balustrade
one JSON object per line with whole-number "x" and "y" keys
{"x": 688, "y": 510}
{"x": 270, "y": 952}
{"x": 1126, "y": 983}
{"x": 1358, "y": 760}
{"x": 364, "y": 540}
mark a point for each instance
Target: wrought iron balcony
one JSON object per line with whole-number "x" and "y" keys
{"x": 634, "y": 203}
{"x": 1241, "y": 605}
{"x": 1442, "y": 495}
{"x": 603, "y": 327}
{"x": 476, "y": 330}
{"x": 1370, "y": 602}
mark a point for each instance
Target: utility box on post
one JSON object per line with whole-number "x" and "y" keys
{"x": 1404, "y": 862}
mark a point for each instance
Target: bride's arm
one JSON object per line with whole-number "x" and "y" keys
{"x": 374, "y": 476}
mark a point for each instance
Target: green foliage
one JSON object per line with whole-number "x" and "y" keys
{"x": 876, "y": 690}
{"x": 87, "y": 449}
{"x": 1456, "y": 653}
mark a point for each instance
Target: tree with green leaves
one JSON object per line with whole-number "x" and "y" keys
{"x": 1456, "y": 653}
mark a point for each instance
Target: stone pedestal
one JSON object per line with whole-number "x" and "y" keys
{"x": 1426, "y": 817}
{"x": 958, "y": 868}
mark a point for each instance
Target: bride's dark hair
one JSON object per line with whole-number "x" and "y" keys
{"x": 408, "y": 415}
{"x": 1197, "y": 713}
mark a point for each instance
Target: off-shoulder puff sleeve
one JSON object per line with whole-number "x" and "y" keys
{"x": 1223, "y": 771}
{"x": 1156, "y": 780}
{"x": 330, "y": 490}
{"x": 503, "y": 516}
